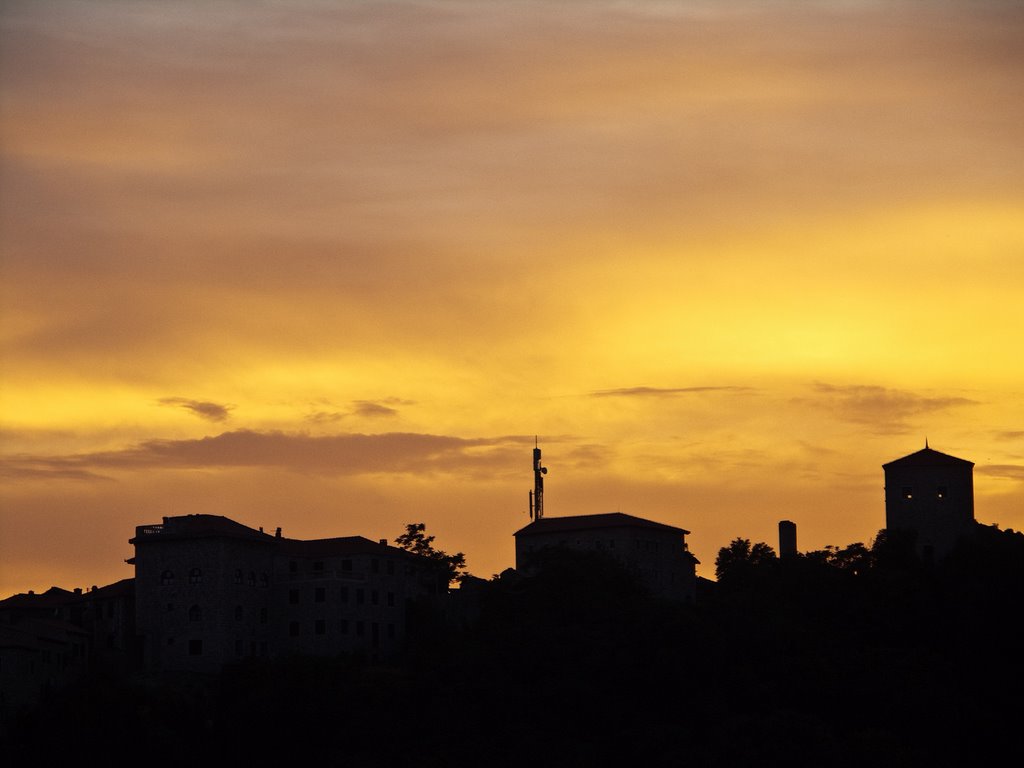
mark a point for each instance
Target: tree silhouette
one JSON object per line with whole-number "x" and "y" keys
{"x": 415, "y": 540}
{"x": 738, "y": 560}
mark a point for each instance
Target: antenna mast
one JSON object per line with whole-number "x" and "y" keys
{"x": 537, "y": 494}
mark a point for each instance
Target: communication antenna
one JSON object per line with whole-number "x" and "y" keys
{"x": 537, "y": 494}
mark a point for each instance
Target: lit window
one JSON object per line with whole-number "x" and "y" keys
{"x": 941, "y": 492}
{"x": 908, "y": 492}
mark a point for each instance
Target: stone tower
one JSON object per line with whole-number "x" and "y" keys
{"x": 930, "y": 494}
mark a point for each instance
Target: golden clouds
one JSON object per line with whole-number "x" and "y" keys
{"x": 460, "y": 220}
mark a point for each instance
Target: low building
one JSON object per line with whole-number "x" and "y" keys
{"x": 211, "y": 591}
{"x": 655, "y": 553}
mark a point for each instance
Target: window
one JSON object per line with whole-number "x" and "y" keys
{"x": 293, "y": 566}
{"x": 252, "y": 578}
{"x": 195, "y": 613}
{"x": 195, "y": 576}
{"x": 293, "y": 629}
{"x": 170, "y": 641}
{"x": 391, "y": 567}
{"x": 344, "y": 626}
{"x": 238, "y": 647}
{"x": 375, "y": 634}
{"x": 375, "y": 597}
{"x": 908, "y": 492}
{"x": 238, "y": 576}
{"x": 346, "y": 565}
{"x": 318, "y": 567}
{"x": 263, "y": 615}
{"x": 319, "y": 594}
{"x": 167, "y": 578}
{"x": 941, "y": 493}
{"x": 320, "y": 627}
{"x": 344, "y": 594}
{"x": 391, "y": 631}
{"x": 170, "y": 607}
{"x": 360, "y": 596}
{"x": 238, "y": 613}
{"x": 195, "y": 647}
{"x": 293, "y": 596}
{"x": 375, "y": 565}
{"x": 264, "y": 581}
{"x": 391, "y": 599}
{"x": 360, "y": 629}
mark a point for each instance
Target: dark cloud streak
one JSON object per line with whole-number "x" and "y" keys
{"x": 201, "y": 408}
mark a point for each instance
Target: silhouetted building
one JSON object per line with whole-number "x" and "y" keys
{"x": 787, "y": 538}
{"x": 656, "y": 553}
{"x": 211, "y": 591}
{"x": 42, "y": 645}
{"x": 931, "y": 495}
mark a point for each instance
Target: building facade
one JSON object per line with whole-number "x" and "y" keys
{"x": 655, "y": 553}
{"x": 211, "y": 591}
{"x": 930, "y": 495}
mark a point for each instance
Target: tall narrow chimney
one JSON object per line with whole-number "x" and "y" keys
{"x": 787, "y": 538}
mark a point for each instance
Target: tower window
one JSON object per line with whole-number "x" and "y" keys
{"x": 908, "y": 492}
{"x": 941, "y": 492}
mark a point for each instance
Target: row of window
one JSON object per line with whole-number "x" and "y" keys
{"x": 320, "y": 596}
{"x": 195, "y": 575}
{"x": 346, "y": 566}
{"x": 359, "y": 627}
{"x": 940, "y": 493}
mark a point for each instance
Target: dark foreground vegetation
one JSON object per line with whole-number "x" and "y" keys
{"x": 845, "y": 657}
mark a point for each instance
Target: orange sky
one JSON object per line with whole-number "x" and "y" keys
{"x": 332, "y": 265}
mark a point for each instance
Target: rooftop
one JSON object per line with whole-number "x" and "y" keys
{"x": 584, "y": 522}
{"x": 928, "y": 457}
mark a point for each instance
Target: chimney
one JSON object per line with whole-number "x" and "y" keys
{"x": 383, "y": 542}
{"x": 787, "y": 538}
{"x": 78, "y": 590}
{"x": 277, "y": 533}
{"x": 261, "y": 529}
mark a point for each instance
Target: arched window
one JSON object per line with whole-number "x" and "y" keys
{"x": 264, "y": 581}
{"x": 167, "y": 578}
{"x": 252, "y": 578}
{"x": 238, "y": 575}
{"x": 195, "y": 613}
{"x": 195, "y": 576}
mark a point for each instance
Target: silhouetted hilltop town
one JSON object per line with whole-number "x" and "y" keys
{"x": 602, "y": 641}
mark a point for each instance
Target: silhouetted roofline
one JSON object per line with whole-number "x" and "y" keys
{"x": 583, "y": 522}
{"x": 927, "y": 457}
{"x": 198, "y": 526}
{"x": 341, "y": 545}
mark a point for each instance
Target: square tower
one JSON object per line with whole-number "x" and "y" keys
{"x": 932, "y": 495}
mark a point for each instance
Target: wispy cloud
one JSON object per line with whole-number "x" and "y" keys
{"x": 663, "y": 391}
{"x": 1008, "y": 471}
{"x": 201, "y": 408}
{"x": 883, "y": 409}
{"x": 343, "y": 454}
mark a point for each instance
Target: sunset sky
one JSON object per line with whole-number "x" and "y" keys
{"x": 330, "y": 266}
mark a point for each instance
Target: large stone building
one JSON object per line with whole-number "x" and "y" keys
{"x": 931, "y": 496}
{"x": 656, "y": 553}
{"x": 211, "y": 591}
